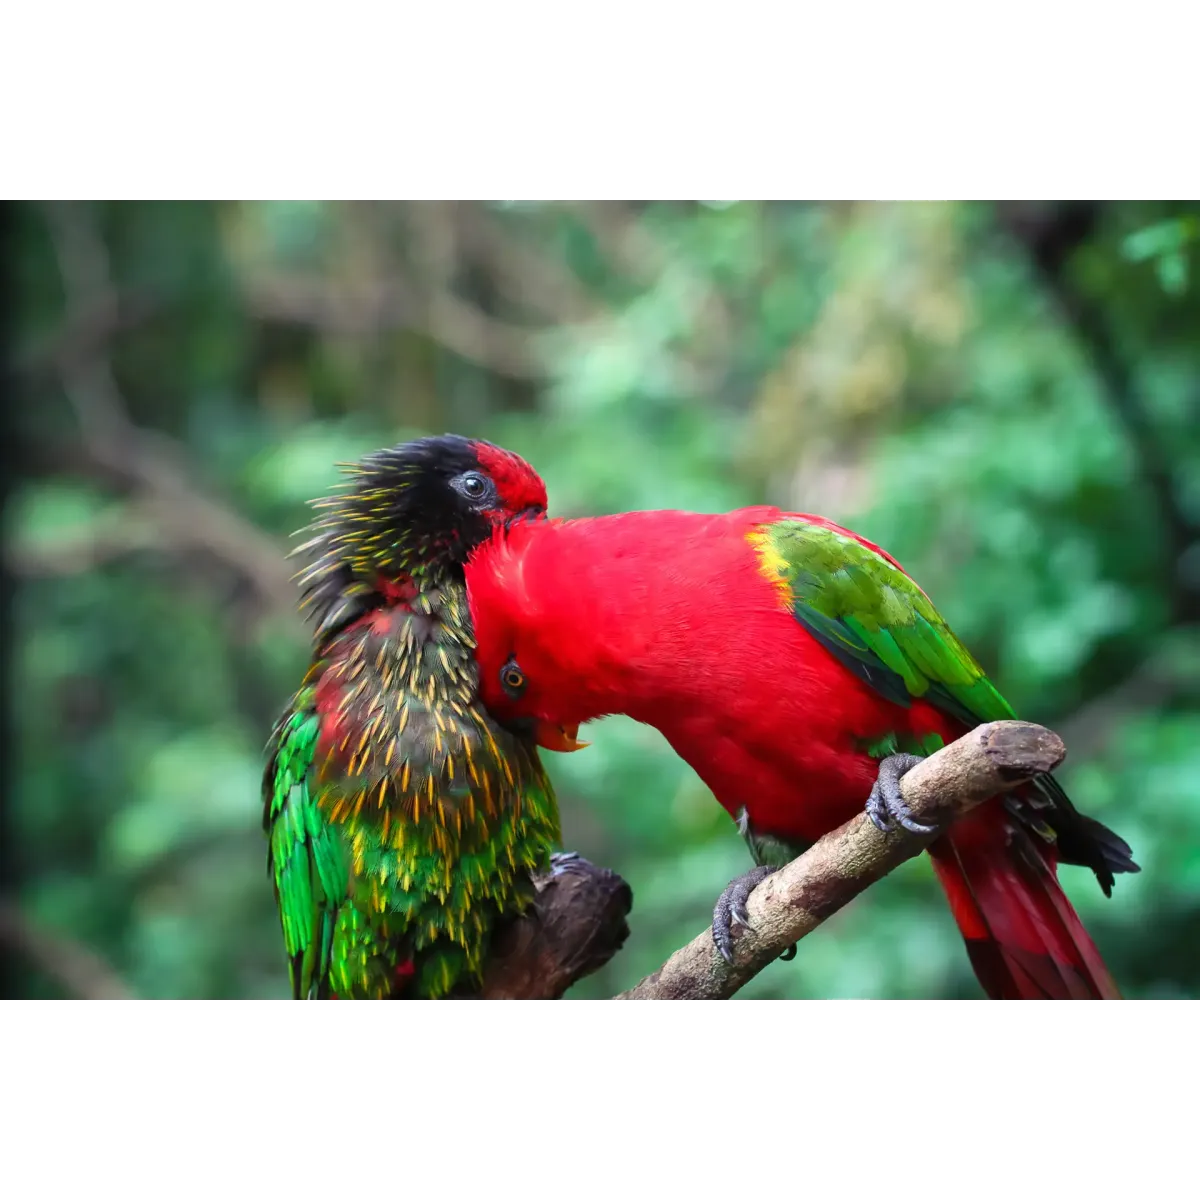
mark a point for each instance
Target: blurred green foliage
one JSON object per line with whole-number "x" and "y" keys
{"x": 1006, "y": 398}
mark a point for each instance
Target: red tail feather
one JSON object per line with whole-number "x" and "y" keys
{"x": 1024, "y": 939}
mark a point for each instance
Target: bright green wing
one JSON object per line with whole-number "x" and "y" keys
{"x": 307, "y": 857}
{"x": 876, "y": 620}
{"x": 861, "y": 606}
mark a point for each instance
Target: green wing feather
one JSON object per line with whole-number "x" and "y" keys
{"x": 877, "y": 621}
{"x": 308, "y": 859}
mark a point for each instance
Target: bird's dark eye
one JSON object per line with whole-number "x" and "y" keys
{"x": 474, "y": 486}
{"x": 512, "y": 679}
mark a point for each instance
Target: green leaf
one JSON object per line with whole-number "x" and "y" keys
{"x": 1173, "y": 273}
{"x": 1154, "y": 240}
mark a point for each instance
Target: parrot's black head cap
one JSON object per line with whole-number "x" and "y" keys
{"x": 407, "y": 517}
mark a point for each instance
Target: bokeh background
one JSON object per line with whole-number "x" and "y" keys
{"x": 1007, "y": 397}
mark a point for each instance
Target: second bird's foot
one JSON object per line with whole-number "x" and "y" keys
{"x": 885, "y": 805}
{"x": 565, "y": 860}
{"x": 731, "y": 909}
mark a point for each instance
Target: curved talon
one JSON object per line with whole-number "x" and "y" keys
{"x": 877, "y": 811}
{"x": 730, "y": 909}
{"x": 564, "y": 860}
{"x": 885, "y": 805}
{"x": 789, "y": 953}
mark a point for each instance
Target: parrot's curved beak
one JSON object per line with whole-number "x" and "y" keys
{"x": 564, "y": 738}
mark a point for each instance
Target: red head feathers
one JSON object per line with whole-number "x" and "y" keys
{"x": 519, "y": 486}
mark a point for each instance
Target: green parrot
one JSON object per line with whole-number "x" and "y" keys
{"x": 403, "y": 822}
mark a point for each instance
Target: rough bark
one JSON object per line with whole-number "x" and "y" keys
{"x": 576, "y": 925}
{"x": 791, "y": 903}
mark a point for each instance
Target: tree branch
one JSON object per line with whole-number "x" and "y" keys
{"x": 151, "y": 463}
{"x": 576, "y": 925}
{"x": 86, "y": 333}
{"x": 526, "y": 275}
{"x": 794, "y": 901}
{"x": 368, "y": 310}
{"x": 1171, "y": 671}
{"x": 1050, "y": 234}
{"x": 80, "y": 971}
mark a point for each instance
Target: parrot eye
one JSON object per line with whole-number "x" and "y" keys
{"x": 512, "y": 679}
{"x": 474, "y": 486}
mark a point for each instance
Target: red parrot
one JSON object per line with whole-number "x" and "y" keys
{"x": 800, "y": 671}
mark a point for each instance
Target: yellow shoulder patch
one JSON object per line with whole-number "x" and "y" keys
{"x": 772, "y": 565}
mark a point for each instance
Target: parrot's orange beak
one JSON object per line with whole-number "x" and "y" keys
{"x": 564, "y": 738}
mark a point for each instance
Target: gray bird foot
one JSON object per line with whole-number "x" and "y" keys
{"x": 564, "y": 860}
{"x": 885, "y": 805}
{"x": 731, "y": 909}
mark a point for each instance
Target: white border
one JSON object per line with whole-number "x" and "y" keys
{"x": 469, "y": 100}
{"x": 842, "y": 1099}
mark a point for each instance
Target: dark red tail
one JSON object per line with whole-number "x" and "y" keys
{"x": 1024, "y": 939}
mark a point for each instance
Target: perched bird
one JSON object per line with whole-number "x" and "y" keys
{"x": 799, "y": 670}
{"x": 403, "y": 822}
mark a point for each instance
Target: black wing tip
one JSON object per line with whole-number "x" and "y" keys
{"x": 1084, "y": 841}
{"x": 1114, "y": 849}
{"x": 297, "y": 968}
